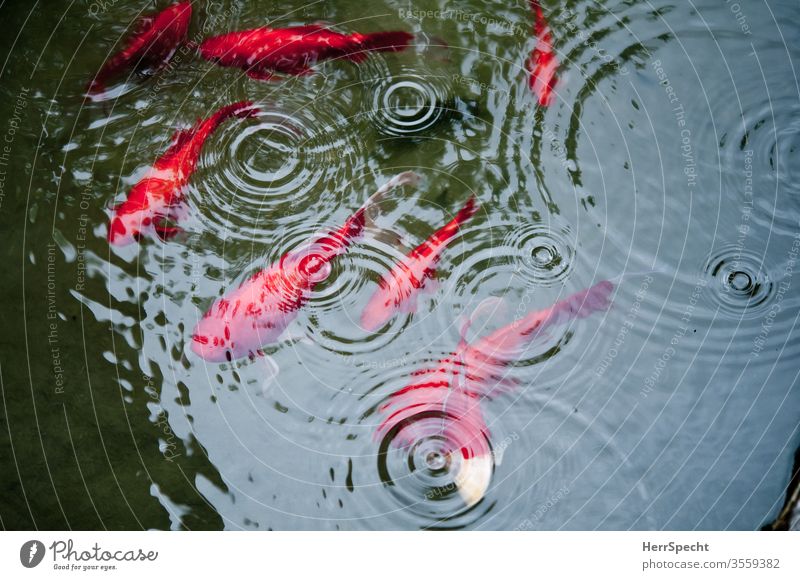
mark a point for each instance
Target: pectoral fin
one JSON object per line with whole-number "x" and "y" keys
{"x": 271, "y": 371}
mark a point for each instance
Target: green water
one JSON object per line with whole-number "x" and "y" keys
{"x": 671, "y": 146}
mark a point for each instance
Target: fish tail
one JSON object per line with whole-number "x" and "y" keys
{"x": 578, "y": 305}
{"x": 539, "y": 19}
{"x": 242, "y": 110}
{"x": 392, "y": 41}
{"x": 354, "y": 225}
{"x": 187, "y": 142}
{"x": 465, "y": 213}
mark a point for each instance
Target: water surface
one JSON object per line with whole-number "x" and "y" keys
{"x": 667, "y": 162}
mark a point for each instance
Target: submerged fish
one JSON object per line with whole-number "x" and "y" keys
{"x": 542, "y": 63}
{"x": 257, "y": 313}
{"x": 398, "y": 290}
{"x": 152, "y": 44}
{"x": 154, "y": 204}
{"x": 452, "y": 392}
{"x": 261, "y": 52}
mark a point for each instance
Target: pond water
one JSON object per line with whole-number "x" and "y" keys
{"x": 667, "y": 162}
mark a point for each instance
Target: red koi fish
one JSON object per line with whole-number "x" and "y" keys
{"x": 152, "y": 44}
{"x": 449, "y": 396}
{"x": 261, "y": 52}
{"x": 257, "y": 313}
{"x": 542, "y": 63}
{"x": 398, "y": 290}
{"x": 157, "y": 199}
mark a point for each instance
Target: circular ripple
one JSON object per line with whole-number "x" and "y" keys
{"x": 544, "y": 252}
{"x": 738, "y": 283}
{"x": 421, "y": 459}
{"x": 335, "y": 310}
{"x": 408, "y": 104}
{"x": 255, "y": 172}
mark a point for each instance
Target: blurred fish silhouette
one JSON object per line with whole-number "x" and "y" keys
{"x": 455, "y": 388}
{"x": 151, "y": 45}
{"x": 398, "y": 290}
{"x": 261, "y": 52}
{"x": 258, "y": 312}
{"x": 155, "y": 203}
{"x": 542, "y": 63}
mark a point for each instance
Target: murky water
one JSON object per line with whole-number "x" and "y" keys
{"x": 667, "y": 162}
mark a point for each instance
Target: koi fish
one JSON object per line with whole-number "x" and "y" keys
{"x": 398, "y": 290}
{"x": 152, "y": 44}
{"x": 261, "y": 52}
{"x": 257, "y": 313}
{"x": 542, "y": 63}
{"x": 157, "y": 199}
{"x": 454, "y": 389}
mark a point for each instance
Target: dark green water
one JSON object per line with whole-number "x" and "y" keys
{"x": 672, "y": 145}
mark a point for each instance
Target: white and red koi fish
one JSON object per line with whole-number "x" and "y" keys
{"x": 156, "y": 201}
{"x": 542, "y": 64}
{"x": 257, "y": 313}
{"x": 261, "y": 52}
{"x": 452, "y": 392}
{"x": 151, "y": 45}
{"x": 398, "y": 290}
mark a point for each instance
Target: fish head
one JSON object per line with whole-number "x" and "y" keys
{"x": 212, "y": 341}
{"x": 240, "y": 323}
{"x": 220, "y": 336}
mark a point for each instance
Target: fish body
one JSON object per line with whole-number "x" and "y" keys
{"x": 152, "y": 44}
{"x": 453, "y": 390}
{"x": 542, "y": 64}
{"x": 257, "y": 313}
{"x": 262, "y": 52}
{"x": 398, "y": 290}
{"x": 157, "y": 199}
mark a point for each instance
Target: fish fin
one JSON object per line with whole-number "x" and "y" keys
{"x": 240, "y": 110}
{"x": 405, "y": 178}
{"x": 356, "y": 222}
{"x": 258, "y": 75}
{"x": 498, "y": 455}
{"x": 271, "y": 371}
